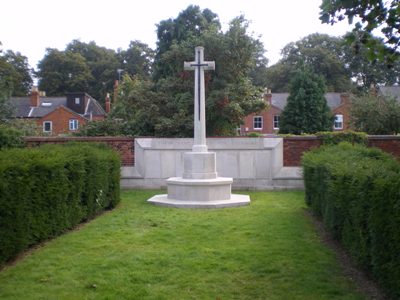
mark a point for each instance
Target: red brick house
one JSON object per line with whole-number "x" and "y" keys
{"x": 267, "y": 122}
{"x": 59, "y": 115}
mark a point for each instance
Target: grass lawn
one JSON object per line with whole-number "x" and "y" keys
{"x": 268, "y": 250}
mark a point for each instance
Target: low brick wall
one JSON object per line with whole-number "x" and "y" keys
{"x": 294, "y": 147}
{"x": 125, "y": 146}
{"x": 388, "y": 143}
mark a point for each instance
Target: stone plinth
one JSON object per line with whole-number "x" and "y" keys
{"x": 199, "y": 186}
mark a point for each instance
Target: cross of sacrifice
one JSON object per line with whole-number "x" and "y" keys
{"x": 199, "y": 65}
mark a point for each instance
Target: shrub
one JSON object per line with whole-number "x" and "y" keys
{"x": 10, "y": 137}
{"x": 45, "y": 191}
{"x": 356, "y": 191}
{"x": 334, "y": 138}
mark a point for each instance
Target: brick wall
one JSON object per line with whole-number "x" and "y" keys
{"x": 294, "y": 147}
{"x": 125, "y": 146}
{"x": 389, "y": 144}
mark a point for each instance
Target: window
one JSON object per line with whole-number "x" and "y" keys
{"x": 276, "y": 122}
{"x": 338, "y": 122}
{"x": 77, "y": 100}
{"x": 257, "y": 122}
{"x": 73, "y": 124}
{"x": 47, "y": 126}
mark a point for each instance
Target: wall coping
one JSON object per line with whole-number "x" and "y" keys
{"x": 76, "y": 138}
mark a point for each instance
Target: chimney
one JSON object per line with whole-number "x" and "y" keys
{"x": 116, "y": 91}
{"x": 268, "y": 96}
{"x": 108, "y": 103}
{"x": 35, "y": 97}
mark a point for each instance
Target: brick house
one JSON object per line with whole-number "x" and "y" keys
{"x": 267, "y": 122}
{"x": 59, "y": 115}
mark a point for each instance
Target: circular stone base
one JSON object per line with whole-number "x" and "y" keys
{"x": 235, "y": 201}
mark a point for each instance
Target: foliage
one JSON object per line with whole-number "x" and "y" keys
{"x": 102, "y": 64}
{"x": 356, "y": 192}
{"x": 342, "y": 67}
{"x": 10, "y": 137}
{"x": 336, "y": 137}
{"x": 375, "y": 114}
{"x": 366, "y": 72}
{"x": 90, "y": 68}
{"x": 47, "y": 190}
{"x": 137, "y": 60}
{"x": 61, "y": 72}
{"x": 231, "y": 94}
{"x": 371, "y": 16}
{"x": 306, "y": 110}
{"x": 106, "y": 127}
{"x": 15, "y": 74}
{"x": 21, "y": 74}
{"x": 26, "y": 127}
{"x": 321, "y": 53}
{"x": 268, "y": 250}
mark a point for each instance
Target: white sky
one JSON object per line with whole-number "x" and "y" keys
{"x": 31, "y": 26}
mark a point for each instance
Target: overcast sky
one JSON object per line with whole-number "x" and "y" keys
{"x": 31, "y": 26}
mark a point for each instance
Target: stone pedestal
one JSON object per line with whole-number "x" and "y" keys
{"x": 199, "y": 186}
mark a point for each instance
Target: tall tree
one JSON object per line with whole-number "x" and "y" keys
{"x": 372, "y": 16}
{"x": 60, "y": 72}
{"x": 191, "y": 23}
{"x": 137, "y": 60}
{"x": 231, "y": 94}
{"x": 306, "y": 110}
{"x": 366, "y": 72}
{"x": 322, "y": 53}
{"x": 22, "y": 75}
{"x": 102, "y": 63}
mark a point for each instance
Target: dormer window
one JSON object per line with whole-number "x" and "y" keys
{"x": 77, "y": 100}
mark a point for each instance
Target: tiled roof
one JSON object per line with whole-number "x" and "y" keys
{"x": 393, "y": 91}
{"x": 280, "y": 99}
{"x": 49, "y": 104}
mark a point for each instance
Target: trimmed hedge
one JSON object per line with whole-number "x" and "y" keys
{"x": 356, "y": 191}
{"x": 48, "y": 190}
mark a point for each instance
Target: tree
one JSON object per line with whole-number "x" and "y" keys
{"x": 102, "y": 64}
{"x": 366, "y": 72}
{"x": 231, "y": 94}
{"x": 61, "y": 72}
{"x": 190, "y": 23}
{"x": 22, "y": 75}
{"x": 371, "y": 16}
{"x": 322, "y": 53}
{"x": 137, "y": 59}
{"x": 306, "y": 110}
{"x": 375, "y": 114}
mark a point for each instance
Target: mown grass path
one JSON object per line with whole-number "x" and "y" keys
{"x": 268, "y": 250}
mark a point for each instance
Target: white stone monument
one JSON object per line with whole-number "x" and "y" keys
{"x": 199, "y": 186}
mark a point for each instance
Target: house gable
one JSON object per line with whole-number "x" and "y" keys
{"x": 60, "y": 119}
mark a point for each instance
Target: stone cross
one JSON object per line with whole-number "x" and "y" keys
{"x": 199, "y": 65}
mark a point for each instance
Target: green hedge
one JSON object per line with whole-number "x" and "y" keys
{"x": 10, "y": 137}
{"x": 336, "y": 137}
{"x": 356, "y": 191}
{"x": 48, "y": 190}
